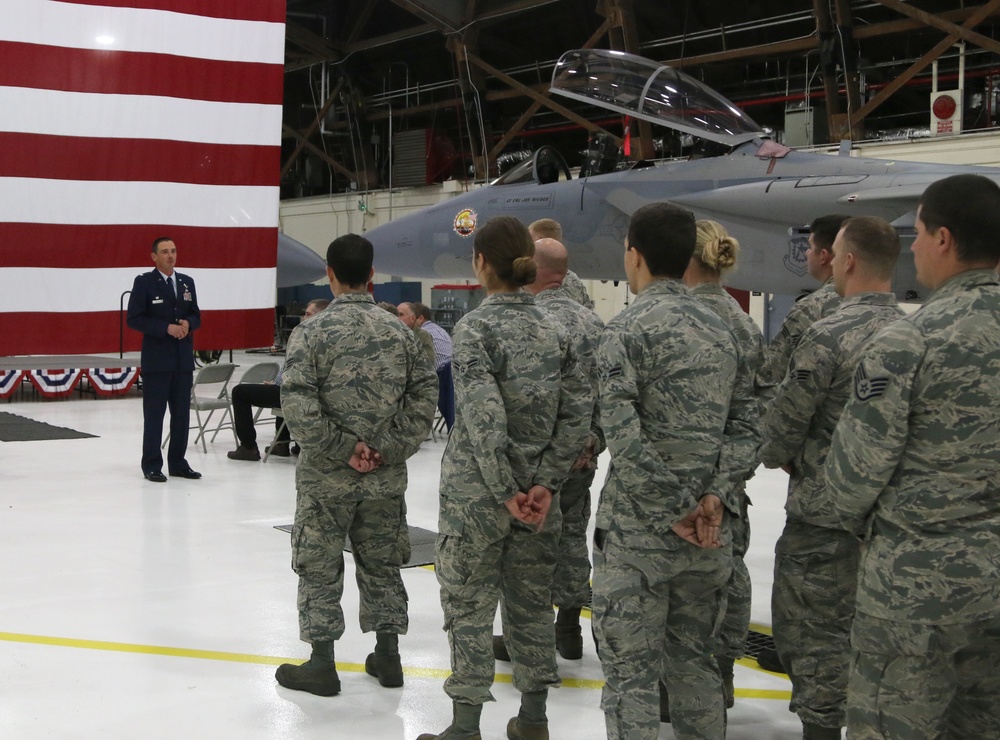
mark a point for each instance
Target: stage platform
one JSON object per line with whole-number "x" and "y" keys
{"x": 56, "y": 376}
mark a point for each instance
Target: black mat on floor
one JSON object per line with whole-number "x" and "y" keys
{"x": 421, "y": 545}
{"x": 14, "y": 428}
{"x": 757, "y": 641}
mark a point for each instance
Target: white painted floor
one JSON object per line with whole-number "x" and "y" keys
{"x": 138, "y": 610}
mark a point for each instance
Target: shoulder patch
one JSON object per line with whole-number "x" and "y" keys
{"x": 866, "y": 388}
{"x": 464, "y": 367}
{"x": 801, "y": 376}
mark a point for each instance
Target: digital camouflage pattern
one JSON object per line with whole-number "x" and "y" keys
{"x": 739, "y": 590}
{"x": 678, "y": 413}
{"x": 915, "y": 468}
{"x": 571, "y": 583}
{"x": 521, "y": 419}
{"x": 804, "y": 411}
{"x": 573, "y": 287}
{"x": 806, "y": 312}
{"x": 815, "y": 567}
{"x": 353, "y": 372}
{"x": 657, "y": 613}
{"x": 427, "y": 342}
{"x": 648, "y": 384}
{"x": 904, "y": 683}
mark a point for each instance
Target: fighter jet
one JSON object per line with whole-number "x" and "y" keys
{"x": 764, "y": 193}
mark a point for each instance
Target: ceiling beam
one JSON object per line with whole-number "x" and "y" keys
{"x": 390, "y": 38}
{"x": 793, "y": 46}
{"x": 432, "y": 12}
{"x": 359, "y": 23}
{"x": 981, "y": 14}
{"x": 312, "y": 127}
{"x": 516, "y": 129}
{"x": 320, "y": 153}
{"x": 941, "y": 24}
{"x": 525, "y": 90}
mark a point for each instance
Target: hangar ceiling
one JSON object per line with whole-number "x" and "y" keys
{"x": 460, "y": 85}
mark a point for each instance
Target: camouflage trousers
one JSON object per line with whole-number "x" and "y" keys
{"x": 484, "y": 557}
{"x": 923, "y": 681}
{"x": 812, "y": 606}
{"x": 571, "y": 584}
{"x": 659, "y": 612}
{"x": 736, "y": 623}
{"x": 380, "y": 543}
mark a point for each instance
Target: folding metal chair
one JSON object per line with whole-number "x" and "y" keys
{"x": 277, "y": 433}
{"x": 211, "y": 375}
{"x": 262, "y": 372}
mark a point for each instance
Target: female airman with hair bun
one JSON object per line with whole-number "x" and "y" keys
{"x": 715, "y": 253}
{"x": 520, "y": 422}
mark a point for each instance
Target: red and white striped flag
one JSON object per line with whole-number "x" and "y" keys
{"x": 122, "y": 121}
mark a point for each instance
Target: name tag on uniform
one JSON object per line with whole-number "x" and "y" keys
{"x": 157, "y": 300}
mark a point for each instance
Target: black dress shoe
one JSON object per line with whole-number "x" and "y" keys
{"x": 186, "y": 474}
{"x": 156, "y": 477}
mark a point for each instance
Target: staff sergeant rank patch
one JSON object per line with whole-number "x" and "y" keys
{"x": 866, "y": 388}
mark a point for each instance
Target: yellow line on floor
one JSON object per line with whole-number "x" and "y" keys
{"x": 439, "y": 673}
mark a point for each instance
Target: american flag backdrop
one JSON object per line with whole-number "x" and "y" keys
{"x": 122, "y": 121}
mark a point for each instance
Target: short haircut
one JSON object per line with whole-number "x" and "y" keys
{"x": 545, "y": 228}
{"x": 824, "y": 230}
{"x": 664, "y": 234}
{"x": 421, "y": 311}
{"x": 350, "y": 258}
{"x": 158, "y": 241}
{"x": 386, "y": 306}
{"x": 873, "y": 241}
{"x": 508, "y": 249}
{"x": 319, "y": 303}
{"x": 969, "y": 207}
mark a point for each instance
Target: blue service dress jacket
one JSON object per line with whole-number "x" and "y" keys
{"x": 152, "y": 307}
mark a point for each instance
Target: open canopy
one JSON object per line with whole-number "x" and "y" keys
{"x": 653, "y": 92}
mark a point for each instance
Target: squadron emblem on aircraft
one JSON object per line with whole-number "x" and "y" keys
{"x": 465, "y": 222}
{"x": 795, "y": 260}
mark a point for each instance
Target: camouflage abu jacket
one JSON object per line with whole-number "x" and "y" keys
{"x": 915, "y": 460}
{"x": 678, "y": 413}
{"x": 356, "y": 372}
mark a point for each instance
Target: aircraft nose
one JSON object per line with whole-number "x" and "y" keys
{"x": 397, "y": 246}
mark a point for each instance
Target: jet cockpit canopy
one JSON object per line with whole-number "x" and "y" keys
{"x": 653, "y": 92}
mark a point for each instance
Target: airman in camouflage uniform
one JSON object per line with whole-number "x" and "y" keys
{"x": 716, "y": 252}
{"x": 571, "y": 584}
{"x": 572, "y": 286}
{"x": 807, "y": 310}
{"x": 914, "y": 468}
{"x": 815, "y": 567}
{"x": 358, "y": 394}
{"x": 522, "y": 419}
{"x": 679, "y": 417}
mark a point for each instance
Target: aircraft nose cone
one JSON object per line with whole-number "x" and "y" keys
{"x": 397, "y": 246}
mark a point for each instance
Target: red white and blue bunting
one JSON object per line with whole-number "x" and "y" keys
{"x": 55, "y": 383}
{"x": 112, "y": 381}
{"x": 106, "y": 381}
{"x": 10, "y": 381}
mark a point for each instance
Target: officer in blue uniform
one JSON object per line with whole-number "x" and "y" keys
{"x": 164, "y": 307}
